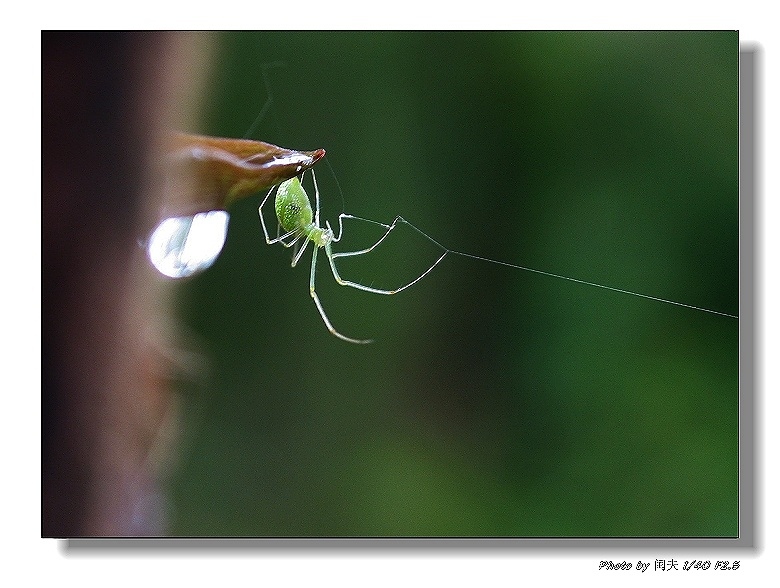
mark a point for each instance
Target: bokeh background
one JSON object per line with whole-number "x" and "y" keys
{"x": 494, "y": 401}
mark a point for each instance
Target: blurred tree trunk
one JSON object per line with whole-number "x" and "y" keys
{"x": 107, "y": 402}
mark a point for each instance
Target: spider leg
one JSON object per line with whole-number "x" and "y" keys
{"x": 299, "y": 253}
{"x": 321, "y": 310}
{"x": 316, "y": 200}
{"x": 332, "y": 256}
{"x": 388, "y": 228}
{"x": 359, "y": 286}
{"x": 262, "y": 220}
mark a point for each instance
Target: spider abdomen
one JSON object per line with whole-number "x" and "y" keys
{"x": 292, "y": 206}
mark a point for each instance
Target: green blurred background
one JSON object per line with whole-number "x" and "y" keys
{"x": 493, "y": 402}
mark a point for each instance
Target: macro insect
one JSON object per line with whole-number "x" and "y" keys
{"x": 301, "y": 226}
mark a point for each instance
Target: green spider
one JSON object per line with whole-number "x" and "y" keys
{"x": 301, "y": 226}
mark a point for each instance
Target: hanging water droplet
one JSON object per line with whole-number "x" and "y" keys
{"x": 181, "y": 246}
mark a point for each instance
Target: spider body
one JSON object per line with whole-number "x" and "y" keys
{"x": 300, "y": 224}
{"x": 295, "y": 215}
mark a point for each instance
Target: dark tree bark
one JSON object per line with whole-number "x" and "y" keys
{"x": 106, "y": 388}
